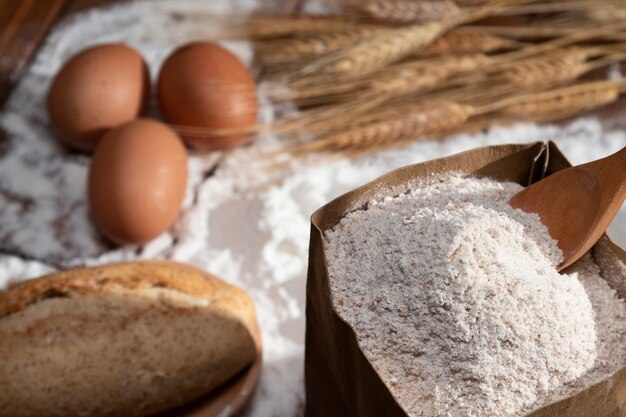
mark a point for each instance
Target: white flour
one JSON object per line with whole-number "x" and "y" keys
{"x": 455, "y": 300}
{"x": 254, "y": 237}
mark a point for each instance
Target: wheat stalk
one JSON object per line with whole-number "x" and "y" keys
{"x": 552, "y": 7}
{"x": 575, "y": 32}
{"x": 411, "y": 11}
{"x": 555, "y": 44}
{"x": 525, "y": 32}
{"x": 612, "y": 57}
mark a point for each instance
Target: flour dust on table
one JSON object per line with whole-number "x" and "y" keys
{"x": 240, "y": 221}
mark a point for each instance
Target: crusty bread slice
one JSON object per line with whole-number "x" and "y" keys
{"x": 126, "y": 339}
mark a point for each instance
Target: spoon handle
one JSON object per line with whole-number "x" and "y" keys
{"x": 612, "y": 173}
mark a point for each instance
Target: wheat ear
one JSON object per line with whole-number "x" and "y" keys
{"x": 289, "y": 50}
{"x": 546, "y": 71}
{"x": 416, "y": 76}
{"x": 414, "y": 122}
{"x": 558, "y": 103}
{"x": 379, "y": 51}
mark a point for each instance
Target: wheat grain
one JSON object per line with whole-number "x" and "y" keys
{"x": 379, "y": 51}
{"x": 412, "y": 123}
{"x": 411, "y": 11}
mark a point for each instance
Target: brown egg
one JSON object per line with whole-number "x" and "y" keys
{"x": 204, "y": 85}
{"x": 137, "y": 181}
{"x": 96, "y": 90}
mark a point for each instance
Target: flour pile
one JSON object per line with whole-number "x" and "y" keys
{"x": 455, "y": 300}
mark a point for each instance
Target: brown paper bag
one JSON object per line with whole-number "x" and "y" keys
{"x": 339, "y": 379}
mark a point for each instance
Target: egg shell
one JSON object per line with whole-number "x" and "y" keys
{"x": 204, "y": 85}
{"x": 137, "y": 181}
{"x": 96, "y": 90}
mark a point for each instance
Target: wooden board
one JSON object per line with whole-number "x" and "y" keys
{"x": 23, "y": 24}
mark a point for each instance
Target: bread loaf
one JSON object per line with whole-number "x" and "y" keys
{"x": 126, "y": 339}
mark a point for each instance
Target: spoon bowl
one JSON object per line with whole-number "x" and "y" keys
{"x": 577, "y": 204}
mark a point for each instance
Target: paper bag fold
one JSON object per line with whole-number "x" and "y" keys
{"x": 339, "y": 379}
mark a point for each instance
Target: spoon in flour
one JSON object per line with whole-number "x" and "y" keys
{"x": 577, "y": 204}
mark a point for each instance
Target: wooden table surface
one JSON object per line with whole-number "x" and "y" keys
{"x": 23, "y": 25}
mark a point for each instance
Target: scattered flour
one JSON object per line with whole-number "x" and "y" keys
{"x": 455, "y": 300}
{"x": 243, "y": 223}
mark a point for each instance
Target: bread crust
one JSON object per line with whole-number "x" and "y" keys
{"x": 127, "y": 339}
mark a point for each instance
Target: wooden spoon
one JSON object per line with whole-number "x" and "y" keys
{"x": 577, "y": 204}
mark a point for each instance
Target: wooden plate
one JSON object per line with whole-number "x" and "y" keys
{"x": 230, "y": 399}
